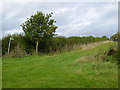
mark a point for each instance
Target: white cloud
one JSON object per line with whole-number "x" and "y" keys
{"x": 62, "y": 10}
{"x": 14, "y": 31}
{"x": 72, "y": 18}
{"x": 59, "y": 1}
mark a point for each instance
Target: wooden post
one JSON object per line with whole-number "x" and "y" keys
{"x": 9, "y": 46}
{"x": 37, "y": 47}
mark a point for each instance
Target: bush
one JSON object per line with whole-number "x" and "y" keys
{"x": 116, "y": 37}
{"x": 60, "y": 43}
{"x": 18, "y": 39}
{"x": 55, "y": 44}
{"x": 18, "y": 51}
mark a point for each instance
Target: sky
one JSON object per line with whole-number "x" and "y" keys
{"x": 72, "y": 18}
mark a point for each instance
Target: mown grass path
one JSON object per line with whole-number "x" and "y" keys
{"x": 74, "y": 69}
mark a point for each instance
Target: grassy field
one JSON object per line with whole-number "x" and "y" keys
{"x": 79, "y": 68}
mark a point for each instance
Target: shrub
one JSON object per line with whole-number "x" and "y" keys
{"x": 55, "y": 44}
{"x": 58, "y": 43}
{"x": 18, "y": 51}
{"x": 116, "y": 37}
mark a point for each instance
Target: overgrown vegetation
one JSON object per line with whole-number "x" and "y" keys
{"x": 55, "y": 44}
{"x": 39, "y": 30}
{"x": 116, "y": 37}
{"x": 39, "y": 27}
{"x": 18, "y": 51}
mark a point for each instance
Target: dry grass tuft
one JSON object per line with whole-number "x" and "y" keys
{"x": 84, "y": 59}
{"x": 93, "y": 45}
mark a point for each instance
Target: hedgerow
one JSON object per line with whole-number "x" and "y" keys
{"x": 54, "y": 44}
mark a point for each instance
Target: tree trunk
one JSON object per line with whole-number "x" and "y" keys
{"x": 37, "y": 47}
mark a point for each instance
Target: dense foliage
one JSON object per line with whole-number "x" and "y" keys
{"x": 39, "y": 27}
{"x": 39, "y": 30}
{"x": 54, "y": 44}
{"x": 116, "y": 37}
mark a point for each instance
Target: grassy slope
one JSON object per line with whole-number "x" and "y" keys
{"x": 74, "y": 69}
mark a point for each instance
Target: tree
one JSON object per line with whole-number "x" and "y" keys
{"x": 116, "y": 37}
{"x": 104, "y": 37}
{"x": 39, "y": 27}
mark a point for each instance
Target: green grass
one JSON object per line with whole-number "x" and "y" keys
{"x": 74, "y": 69}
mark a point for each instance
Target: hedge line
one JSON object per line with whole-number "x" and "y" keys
{"x": 54, "y": 44}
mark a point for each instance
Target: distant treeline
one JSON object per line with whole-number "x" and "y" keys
{"x": 54, "y": 44}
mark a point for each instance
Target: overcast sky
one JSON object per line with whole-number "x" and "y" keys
{"x": 73, "y": 19}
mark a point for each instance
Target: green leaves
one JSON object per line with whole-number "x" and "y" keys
{"x": 39, "y": 26}
{"x": 116, "y": 37}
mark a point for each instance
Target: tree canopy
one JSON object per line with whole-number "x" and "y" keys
{"x": 39, "y": 27}
{"x": 116, "y": 37}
